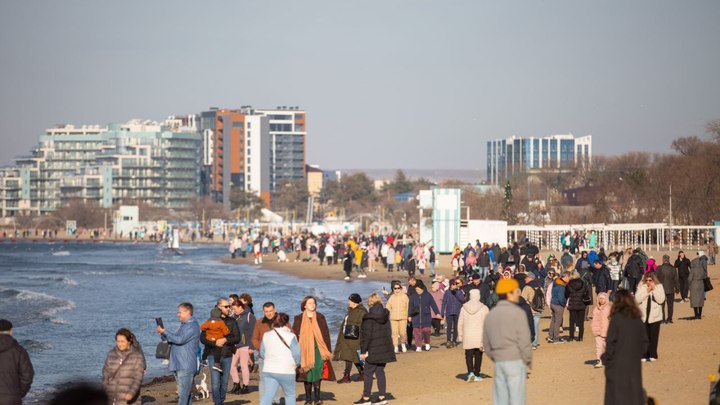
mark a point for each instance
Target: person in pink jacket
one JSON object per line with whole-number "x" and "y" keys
{"x": 600, "y": 323}
{"x": 651, "y": 266}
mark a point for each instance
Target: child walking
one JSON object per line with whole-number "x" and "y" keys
{"x": 600, "y": 323}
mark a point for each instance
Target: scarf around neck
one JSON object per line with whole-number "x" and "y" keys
{"x": 309, "y": 335}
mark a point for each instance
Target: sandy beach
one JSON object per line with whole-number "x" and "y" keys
{"x": 560, "y": 374}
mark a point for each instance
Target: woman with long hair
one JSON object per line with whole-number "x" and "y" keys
{"x": 246, "y": 325}
{"x": 281, "y": 354}
{"x": 124, "y": 369}
{"x": 315, "y": 349}
{"x": 625, "y": 344}
{"x": 650, "y": 297}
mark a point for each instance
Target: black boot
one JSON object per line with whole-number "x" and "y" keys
{"x": 235, "y": 389}
{"x": 316, "y": 393}
{"x": 308, "y": 393}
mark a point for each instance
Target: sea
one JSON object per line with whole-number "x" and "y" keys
{"x": 67, "y": 300}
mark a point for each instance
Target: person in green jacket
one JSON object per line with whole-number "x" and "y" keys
{"x": 347, "y": 345}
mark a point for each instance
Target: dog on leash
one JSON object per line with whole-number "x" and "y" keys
{"x": 202, "y": 388}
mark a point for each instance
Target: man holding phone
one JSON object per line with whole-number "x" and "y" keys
{"x": 183, "y": 350}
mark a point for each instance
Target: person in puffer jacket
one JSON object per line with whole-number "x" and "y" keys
{"x": 124, "y": 369}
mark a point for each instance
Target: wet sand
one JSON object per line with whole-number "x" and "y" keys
{"x": 560, "y": 374}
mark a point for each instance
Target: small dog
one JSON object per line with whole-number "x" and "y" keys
{"x": 202, "y": 388}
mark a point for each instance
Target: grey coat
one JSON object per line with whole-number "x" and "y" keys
{"x": 123, "y": 374}
{"x": 698, "y": 273}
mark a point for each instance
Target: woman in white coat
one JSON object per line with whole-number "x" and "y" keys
{"x": 470, "y": 332}
{"x": 650, "y": 297}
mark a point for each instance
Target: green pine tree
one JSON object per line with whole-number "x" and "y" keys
{"x": 507, "y": 212}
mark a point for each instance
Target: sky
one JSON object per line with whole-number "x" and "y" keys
{"x": 386, "y": 84}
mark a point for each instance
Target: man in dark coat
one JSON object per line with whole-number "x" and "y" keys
{"x": 634, "y": 269}
{"x": 16, "y": 370}
{"x": 601, "y": 277}
{"x": 474, "y": 284}
{"x": 668, "y": 276}
{"x": 220, "y": 379}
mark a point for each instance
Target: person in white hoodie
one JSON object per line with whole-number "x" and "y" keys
{"x": 650, "y": 297}
{"x": 280, "y": 353}
{"x": 470, "y": 333}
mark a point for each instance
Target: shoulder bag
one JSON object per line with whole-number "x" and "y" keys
{"x": 162, "y": 351}
{"x": 299, "y": 373}
{"x": 350, "y": 332}
{"x": 707, "y": 285}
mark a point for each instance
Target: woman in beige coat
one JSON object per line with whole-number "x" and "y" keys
{"x": 397, "y": 304}
{"x": 650, "y": 297}
{"x": 470, "y": 331}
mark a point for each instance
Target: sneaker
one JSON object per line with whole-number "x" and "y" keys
{"x": 651, "y": 359}
{"x": 403, "y": 348}
{"x": 598, "y": 364}
{"x": 643, "y": 360}
{"x": 217, "y": 368}
{"x": 379, "y": 401}
{"x": 396, "y": 350}
{"x": 363, "y": 401}
{"x": 478, "y": 378}
{"x": 534, "y": 347}
{"x": 449, "y": 345}
{"x": 549, "y": 340}
{"x": 427, "y": 348}
{"x": 347, "y": 278}
{"x": 418, "y": 349}
{"x": 470, "y": 377}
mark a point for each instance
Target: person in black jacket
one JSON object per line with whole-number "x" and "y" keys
{"x": 220, "y": 380}
{"x": 472, "y": 285}
{"x": 601, "y": 278}
{"x": 634, "y": 269}
{"x": 575, "y": 291}
{"x": 16, "y": 370}
{"x": 682, "y": 264}
{"x": 376, "y": 349}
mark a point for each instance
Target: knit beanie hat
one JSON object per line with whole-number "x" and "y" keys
{"x": 506, "y": 285}
{"x": 215, "y": 313}
{"x": 355, "y": 297}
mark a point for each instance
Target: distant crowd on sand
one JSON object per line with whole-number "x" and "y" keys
{"x": 491, "y": 306}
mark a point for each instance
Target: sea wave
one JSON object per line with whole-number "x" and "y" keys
{"x": 50, "y": 304}
{"x": 62, "y": 280}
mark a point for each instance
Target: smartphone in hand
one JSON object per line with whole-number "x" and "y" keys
{"x": 159, "y": 322}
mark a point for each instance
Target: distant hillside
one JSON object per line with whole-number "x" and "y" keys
{"x": 434, "y": 175}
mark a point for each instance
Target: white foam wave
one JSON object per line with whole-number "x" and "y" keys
{"x": 61, "y": 253}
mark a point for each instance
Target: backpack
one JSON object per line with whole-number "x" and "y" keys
{"x": 492, "y": 299}
{"x": 538, "y": 300}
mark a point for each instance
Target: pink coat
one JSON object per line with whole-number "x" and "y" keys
{"x": 600, "y": 320}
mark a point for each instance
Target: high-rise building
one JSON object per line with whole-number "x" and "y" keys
{"x": 139, "y": 161}
{"x": 288, "y": 133}
{"x": 236, "y": 153}
{"x": 514, "y": 155}
{"x": 254, "y": 150}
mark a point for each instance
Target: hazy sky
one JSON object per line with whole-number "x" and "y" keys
{"x": 386, "y": 84}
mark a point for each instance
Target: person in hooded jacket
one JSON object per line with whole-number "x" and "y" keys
{"x": 575, "y": 291}
{"x": 346, "y": 348}
{"x": 682, "y": 264}
{"x": 419, "y": 313}
{"x": 698, "y": 273}
{"x": 376, "y": 349}
{"x": 16, "y": 370}
{"x": 668, "y": 276}
{"x": 470, "y": 332}
{"x": 450, "y": 310}
{"x": 600, "y": 323}
{"x": 634, "y": 269}
{"x": 124, "y": 369}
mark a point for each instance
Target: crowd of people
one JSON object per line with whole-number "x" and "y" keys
{"x": 490, "y": 305}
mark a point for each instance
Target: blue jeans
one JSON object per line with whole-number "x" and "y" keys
{"x": 432, "y": 269}
{"x": 220, "y": 380}
{"x": 483, "y": 272}
{"x": 271, "y": 382}
{"x": 184, "y": 379}
{"x": 509, "y": 383}
{"x": 536, "y": 321}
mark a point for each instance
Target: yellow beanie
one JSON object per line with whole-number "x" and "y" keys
{"x": 506, "y": 285}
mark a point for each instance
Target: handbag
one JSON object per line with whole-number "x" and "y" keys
{"x": 326, "y": 371}
{"x": 351, "y": 332}
{"x": 587, "y": 297}
{"x": 162, "y": 351}
{"x": 707, "y": 285}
